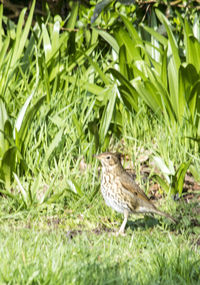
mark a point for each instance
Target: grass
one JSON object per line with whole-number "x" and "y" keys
{"x": 58, "y": 245}
{"x": 51, "y": 257}
{"x": 69, "y": 239}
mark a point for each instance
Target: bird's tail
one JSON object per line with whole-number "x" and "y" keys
{"x": 158, "y": 212}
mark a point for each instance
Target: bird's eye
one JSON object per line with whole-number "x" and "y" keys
{"x": 108, "y": 157}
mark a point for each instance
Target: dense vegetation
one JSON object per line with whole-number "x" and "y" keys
{"x": 114, "y": 76}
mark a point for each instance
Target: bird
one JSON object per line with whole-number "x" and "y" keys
{"x": 121, "y": 192}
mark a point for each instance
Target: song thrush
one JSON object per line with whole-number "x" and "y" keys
{"x": 121, "y": 192}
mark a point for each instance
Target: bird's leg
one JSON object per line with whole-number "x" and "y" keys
{"x": 121, "y": 230}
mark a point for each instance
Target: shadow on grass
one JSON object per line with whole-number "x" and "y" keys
{"x": 189, "y": 212}
{"x": 142, "y": 223}
{"x": 189, "y": 219}
{"x": 186, "y": 215}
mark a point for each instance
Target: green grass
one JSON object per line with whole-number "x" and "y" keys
{"x": 71, "y": 240}
{"x": 36, "y": 256}
{"x": 68, "y": 238}
{"x": 58, "y": 245}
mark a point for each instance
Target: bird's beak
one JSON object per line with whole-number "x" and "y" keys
{"x": 97, "y": 156}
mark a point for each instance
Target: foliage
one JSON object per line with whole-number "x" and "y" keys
{"x": 157, "y": 75}
{"x": 126, "y": 79}
{"x": 90, "y": 83}
{"x": 14, "y": 140}
{"x": 173, "y": 180}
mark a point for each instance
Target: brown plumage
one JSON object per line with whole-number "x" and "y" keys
{"x": 121, "y": 192}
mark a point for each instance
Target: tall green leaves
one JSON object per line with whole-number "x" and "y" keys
{"x": 14, "y": 139}
{"x": 11, "y": 51}
{"x": 167, "y": 83}
{"x": 92, "y": 80}
{"x": 34, "y": 59}
{"x": 173, "y": 180}
{"x": 22, "y": 34}
{"x": 107, "y": 114}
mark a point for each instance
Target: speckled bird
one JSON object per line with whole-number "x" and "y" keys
{"x": 121, "y": 192}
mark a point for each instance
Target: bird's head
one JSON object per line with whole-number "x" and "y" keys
{"x": 109, "y": 160}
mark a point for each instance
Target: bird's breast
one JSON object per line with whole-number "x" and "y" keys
{"x": 109, "y": 182}
{"x": 112, "y": 191}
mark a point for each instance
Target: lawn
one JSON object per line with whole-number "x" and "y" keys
{"x": 56, "y": 246}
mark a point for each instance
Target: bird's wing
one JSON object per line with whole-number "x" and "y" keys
{"x": 129, "y": 184}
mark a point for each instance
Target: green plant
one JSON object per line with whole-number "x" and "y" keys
{"x": 173, "y": 179}
{"x": 14, "y": 139}
{"x": 155, "y": 71}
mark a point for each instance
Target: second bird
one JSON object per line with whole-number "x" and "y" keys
{"x": 121, "y": 192}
